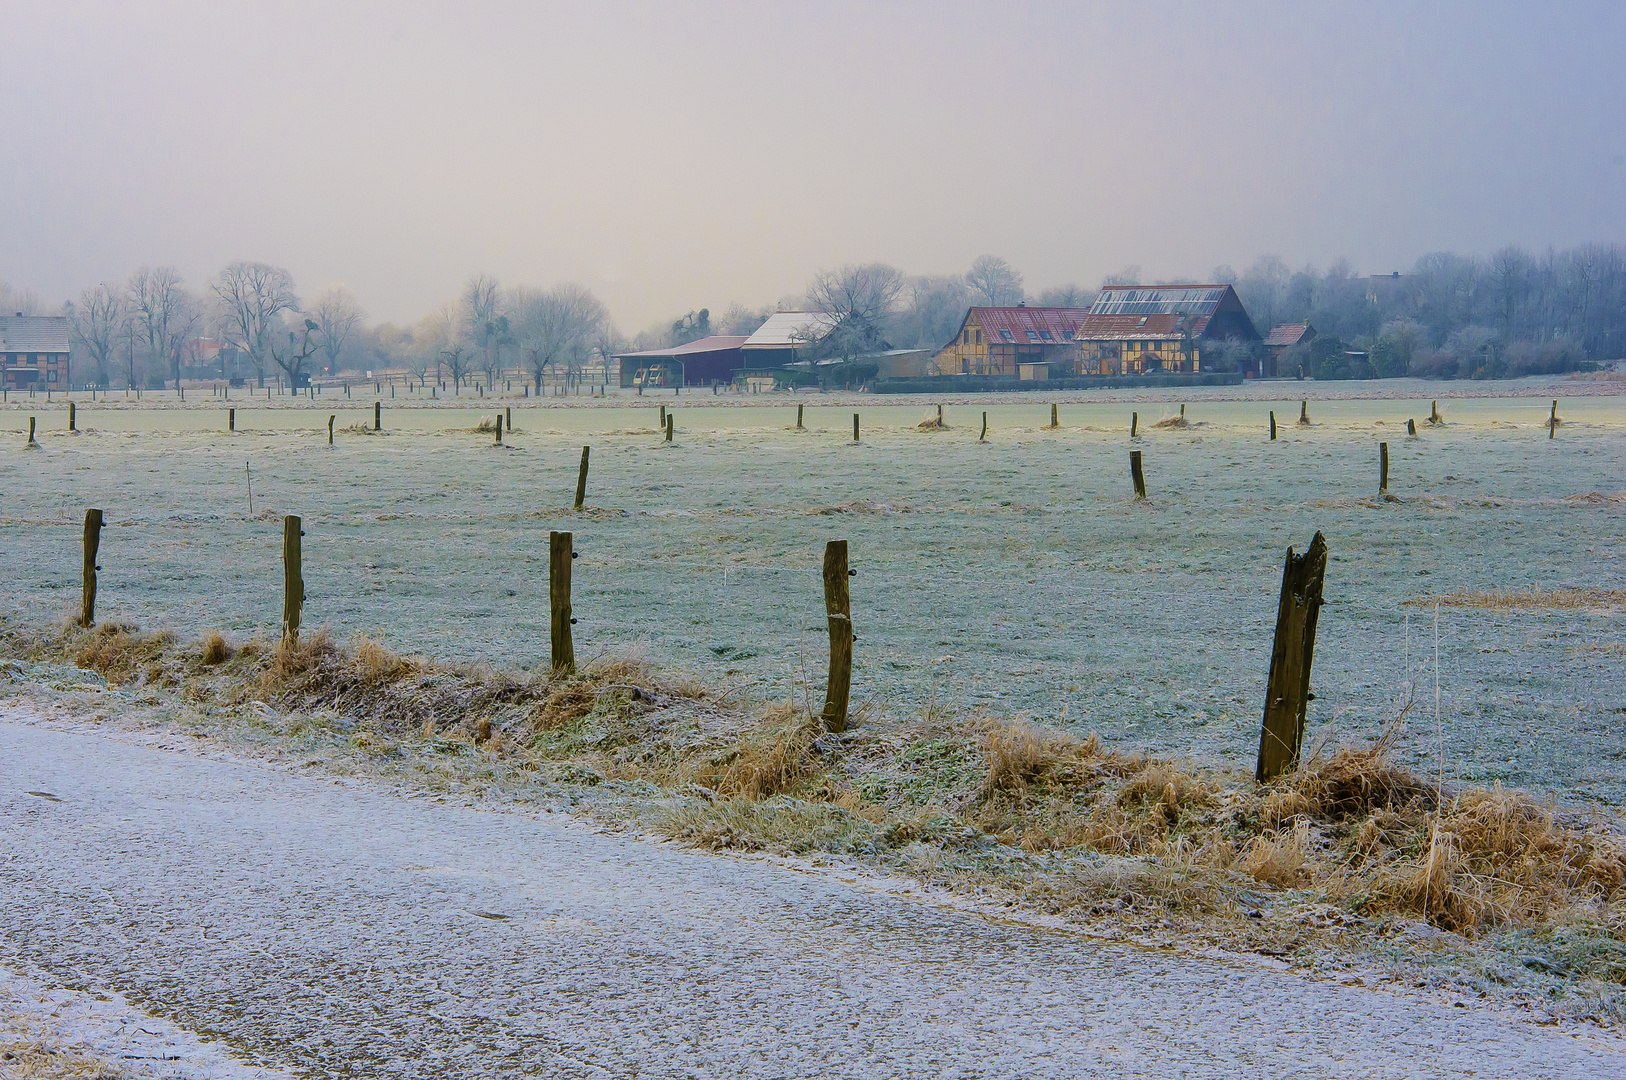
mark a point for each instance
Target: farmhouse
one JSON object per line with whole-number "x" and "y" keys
{"x": 696, "y": 363}
{"x": 1137, "y": 329}
{"x": 1028, "y": 342}
{"x": 34, "y": 351}
{"x": 1279, "y": 340}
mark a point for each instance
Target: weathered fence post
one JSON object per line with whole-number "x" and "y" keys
{"x": 1136, "y": 474}
{"x": 1304, "y": 412}
{"x": 838, "y": 611}
{"x": 1287, "y": 691}
{"x": 1273, "y": 425}
{"x": 1383, "y": 468}
{"x": 855, "y": 427}
{"x": 1182, "y": 410}
{"x": 561, "y": 550}
{"x": 1434, "y": 412}
{"x": 581, "y": 480}
{"x": 93, "y": 543}
{"x": 30, "y": 431}
{"x": 1552, "y": 421}
{"x": 663, "y": 416}
{"x": 508, "y": 417}
{"x": 1055, "y": 421}
{"x": 984, "y": 436}
{"x": 499, "y": 429}
{"x": 293, "y": 580}
{"x": 1134, "y": 422}
{"x": 231, "y": 419}
{"x": 799, "y": 407}
{"x": 670, "y": 426}
{"x": 1411, "y": 426}
{"x": 73, "y": 417}
{"x": 330, "y": 420}
{"x": 378, "y": 416}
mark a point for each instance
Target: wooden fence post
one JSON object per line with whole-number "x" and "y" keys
{"x": 855, "y": 427}
{"x": 293, "y": 580}
{"x": 561, "y": 550}
{"x": 1304, "y": 412}
{"x": 1273, "y": 425}
{"x": 984, "y": 436}
{"x": 663, "y": 416}
{"x": 581, "y": 480}
{"x": 669, "y": 426}
{"x": 1136, "y": 474}
{"x": 93, "y": 543}
{"x": 508, "y": 417}
{"x": 838, "y": 612}
{"x": 1411, "y": 426}
{"x": 1287, "y": 691}
{"x": 378, "y": 416}
{"x": 1134, "y": 422}
{"x": 1383, "y": 468}
{"x": 1055, "y": 421}
{"x": 1434, "y": 413}
{"x": 231, "y": 419}
{"x": 73, "y": 417}
{"x": 499, "y": 429}
{"x": 1552, "y": 421}
{"x": 799, "y": 407}
{"x": 330, "y": 420}
{"x": 30, "y": 431}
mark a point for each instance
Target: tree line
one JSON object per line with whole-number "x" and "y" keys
{"x": 1510, "y": 314}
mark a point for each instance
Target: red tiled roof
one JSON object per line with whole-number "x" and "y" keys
{"x": 1287, "y": 334}
{"x": 1024, "y": 323}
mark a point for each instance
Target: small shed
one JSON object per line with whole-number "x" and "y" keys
{"x": 1281, "y": 338}
{"x": 695, "y": 363}
{"x": 34, "y": 351}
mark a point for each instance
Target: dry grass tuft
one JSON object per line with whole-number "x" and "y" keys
{"x": 1018, "y": 754}
{"x": 770, "y": 757}
{"x": 121, "y": 653}
{"x": 30, "y": 1052}
{"x": 1280, "y": 858}
{"x": 933, "y": 423}
{"x": 213, "y": 649}
{"x": 1172, "y": 422}
{"x": 1532, "y": 599}
{"x": 306, "y": 654}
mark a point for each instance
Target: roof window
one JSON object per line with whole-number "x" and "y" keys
{"x": 1007, "y": 335}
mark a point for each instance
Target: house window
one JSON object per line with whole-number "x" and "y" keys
{"x": 1044, "y": 335}
{"x": 50, "y": 376}
{"x": 979, "y": 337}
{"x": 1008, "y": 336}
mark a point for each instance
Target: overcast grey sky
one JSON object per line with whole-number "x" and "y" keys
{"x": 671, "y": 156}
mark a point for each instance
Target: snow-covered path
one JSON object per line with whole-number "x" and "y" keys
{"x": 335, "y": 930}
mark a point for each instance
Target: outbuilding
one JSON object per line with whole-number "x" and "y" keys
{"x": 34, "y": 351}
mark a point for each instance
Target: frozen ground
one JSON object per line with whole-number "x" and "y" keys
{"x": 1017, "y": 576}
{"x": 333, "y": 929}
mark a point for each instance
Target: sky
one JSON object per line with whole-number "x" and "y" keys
{"x": 672, "y": 156}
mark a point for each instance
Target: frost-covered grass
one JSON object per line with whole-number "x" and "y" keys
{"x": 1345, "y": 857}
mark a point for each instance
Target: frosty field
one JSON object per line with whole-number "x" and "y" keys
{"x": 1017, "y": 576}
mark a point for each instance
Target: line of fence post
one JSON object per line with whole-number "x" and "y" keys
{"x": 1273, "y": 425}
{"x": 1287, "y": 688}
{"x": 1383, "y": 468}
{"x": 1136, "y": 475}
{"x": 378, "y": 416}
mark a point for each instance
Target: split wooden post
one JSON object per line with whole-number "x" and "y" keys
{"x": 378, "y": 416}
{"x": 838, "y": 612}
{"x": 1552, "y": 421}
{"x": 330, "y": 420}
{"x": 1273, "y": 425}
{"x": 73, "y": 417}
{"x": 1411, "y": 426}
{"x": 30, "y": 431}
{"x": 663, "y": 416}
{"x": 1383, "y": 468}
{"x": 939, "y": 415}
{"x": 984, "y": 436}
{"x": 581, "y": 480}
{"x": 1304, "y": 412}
{"x": 1134, "y": 422}
{"x": 1182, "y": 410}
{"x": 93, "y": 543}
{"x": 1055, "y": 421}
{"x": 1136, "y": 474}
{"x": 799, "y": 407}
{"x": 670, "y": 426}
{"x": 293, "y": 580}
{"x": 855, "y": 427}
{"x": 231, "y": 419}
{"x": 1287, "y": 691}
{"x": 561, "y": 550}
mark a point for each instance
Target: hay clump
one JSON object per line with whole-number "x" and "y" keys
{"x": 214, "y": 650}
{"x": 1172, "y": 422}
{"x": 121, "y": 653}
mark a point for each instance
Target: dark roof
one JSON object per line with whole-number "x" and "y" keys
{"x": 1159, "y": 299}
{"x": 34, "y": 333}
{"x": 715, "y": 343}
{"x": 1166, "y": 311}
{"x": 1290, "y": 333}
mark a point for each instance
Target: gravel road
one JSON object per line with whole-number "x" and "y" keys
{"x": 335, "y": 929}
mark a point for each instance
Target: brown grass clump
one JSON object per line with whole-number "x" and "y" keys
{"x": 297, "y": 658}
{"x": 121, "y": 653}
{"x": 1172, "y": 422}
{"x": 769, "y": 758}
{"x": 1280, "y": 858}
{"x": 1533, "y": 599}
{"x": 28, "y": 1051}
{"x": 213, "y": 649}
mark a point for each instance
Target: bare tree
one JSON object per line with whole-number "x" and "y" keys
{"x": 860, "y": 301}
{"x": 555, "y": 327}
{"x": 932, "y": 310}
{"x": 98, "y": 321}
{"x": 19, "y": 301}
{"x": 292, "y": 362}
{"x": 337, "y": 313}
{"x": 252, "y": 298}
{"x": 995, "y": 281}
{"x": 1129, "y": 275}
{"x": 1071, "y": 295}
{"x": 478, "y": 311}
{"x": 165, "y": 315}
